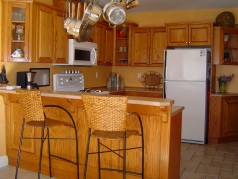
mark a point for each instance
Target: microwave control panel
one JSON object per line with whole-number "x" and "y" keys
{"x": 68, "y": 82}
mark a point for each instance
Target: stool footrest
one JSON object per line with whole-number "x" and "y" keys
{"x": 118, "y": 170}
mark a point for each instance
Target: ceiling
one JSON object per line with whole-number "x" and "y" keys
{"x": 166, "y": 5}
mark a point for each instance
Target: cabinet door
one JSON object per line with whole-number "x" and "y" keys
{"x": 98, "y": 36}
{"x": 230, "y": 116}
{"x": 109, "y": 46}
{"x": 158, "y": 45}
{"x": 140, "y": 51}
{"x": 45, "y": 35}
{"x": 16, "y": 18}
{"x": 225, "y": 50}
{"x": 61, "y": 40}
{"x": 199, "y": 34}
{"x": 177, "y": 35}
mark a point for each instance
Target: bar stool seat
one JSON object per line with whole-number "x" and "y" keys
{"x": 106, "y": 116}
{"x": 34, "y": 116}
{"x": 49, "y": 123}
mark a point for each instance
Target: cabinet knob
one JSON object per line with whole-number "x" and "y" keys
{"x": 189, "y": 42}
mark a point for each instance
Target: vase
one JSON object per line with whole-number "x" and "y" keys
{"x": 222, "y": 87}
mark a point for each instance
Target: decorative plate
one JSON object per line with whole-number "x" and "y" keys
{"x": 151, "y": 79}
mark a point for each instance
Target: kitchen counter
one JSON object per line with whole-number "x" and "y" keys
{"x": 76, "y": 95}
{"x": 132, "y": 89}
{"x": 224, "y": 94}
{"x": 162, "y": 132}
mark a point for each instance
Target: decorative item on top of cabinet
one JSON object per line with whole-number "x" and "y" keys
{"x": 189, "y": 34}
{"x": 225, "y": 51}
{"x": 50, "y": 39}
{"x": 103, "y": 36}
{"x": 123, "y": 44}
{"x": 223, "y": 126}
{"x": 16, "y": 31}
{"x": 147, "y": 46}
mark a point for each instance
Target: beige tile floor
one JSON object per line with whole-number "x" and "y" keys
{"x": 217, "y": 161}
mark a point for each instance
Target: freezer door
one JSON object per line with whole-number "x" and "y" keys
{"x": 186, "y": 64}
{"x": 191, "y": 95}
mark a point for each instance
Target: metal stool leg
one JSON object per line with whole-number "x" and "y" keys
{"x": 99, "y": 165}
{"x": 19, "y": 149}
{"x": 124, "y": 156}
{"x": 87, "y": 149}
{"x": 41, "y": 148}
{"x": 143, "y": 156}
{"x": 49, "y": 154}
{"x": 77, "y": 153}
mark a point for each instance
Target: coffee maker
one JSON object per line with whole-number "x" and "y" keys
{"x": 25, "y": 79}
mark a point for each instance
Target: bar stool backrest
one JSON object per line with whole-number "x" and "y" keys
{"x": 105, "y": 112}
{"x": 31, "y": 104}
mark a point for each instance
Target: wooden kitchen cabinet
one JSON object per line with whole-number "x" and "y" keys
{"x": 34, "y": 29}
{"x": 223, "y": 126}
{"x": 225, "y": 51}
{"x": 147, "y": 46}
{"x": 16, "y": 20}
{"x": 51, "y": 41}
{"x": 123, "y": 44}
{"x": 104, "y": 37}
{"x": 189, "y": 34}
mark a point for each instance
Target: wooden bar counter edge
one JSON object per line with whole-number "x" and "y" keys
{"x": 162, "y": 133}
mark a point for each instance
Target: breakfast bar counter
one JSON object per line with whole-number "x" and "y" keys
{"x": 162, "y": 134}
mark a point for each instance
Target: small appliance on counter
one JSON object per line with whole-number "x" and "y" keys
{"x": 3, "y": 76}
{"x": 68, "y": 82}
{"x": 25, "y": 79}
{"x": 115, "y": 81}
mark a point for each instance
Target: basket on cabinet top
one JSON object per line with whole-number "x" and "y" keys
{"x": 225, "y": 19}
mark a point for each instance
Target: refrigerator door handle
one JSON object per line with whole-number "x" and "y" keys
{"x": 164, "y": 90}
{"x": 165, "y": 64}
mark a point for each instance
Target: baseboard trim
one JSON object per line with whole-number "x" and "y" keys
{"x": 3, "y": 161}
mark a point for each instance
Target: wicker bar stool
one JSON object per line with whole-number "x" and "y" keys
{"x": 33, "y": 115}
{"x": 106, "y": 116}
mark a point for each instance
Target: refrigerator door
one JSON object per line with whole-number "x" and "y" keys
{"x": 186, "y": 65}
{"x": 191, "y": 95}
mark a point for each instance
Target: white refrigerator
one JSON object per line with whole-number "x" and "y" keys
{"x": 186, "y": 77}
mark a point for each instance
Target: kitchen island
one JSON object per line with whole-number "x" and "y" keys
{"x": 223, "y": 126}
{"x": 162, "y": 133}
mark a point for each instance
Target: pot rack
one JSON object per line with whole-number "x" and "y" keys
{"x": 78, "y": 13}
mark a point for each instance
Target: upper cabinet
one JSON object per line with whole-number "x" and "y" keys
{"x": 225, "y": 51}
{"x": 147, "y": 46}
{"x": 123, "y": 44}
{"x": 49, "y": 36}
{"x": 189, "y": 34}
{"x": 34, "y": 32}
{"x": 16, "y": 20}
{"x": 103, "y": 35}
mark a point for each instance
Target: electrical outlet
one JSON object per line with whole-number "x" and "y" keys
{"x": 96, "y": 74}
{"x": 139, "y": 75}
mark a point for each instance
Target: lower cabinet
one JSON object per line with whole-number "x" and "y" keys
{"x": 223, "y": 119}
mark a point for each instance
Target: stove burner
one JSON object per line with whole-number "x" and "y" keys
{"x": 94, "y": 91}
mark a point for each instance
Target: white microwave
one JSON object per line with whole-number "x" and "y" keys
{"x": 81, "y": 53}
